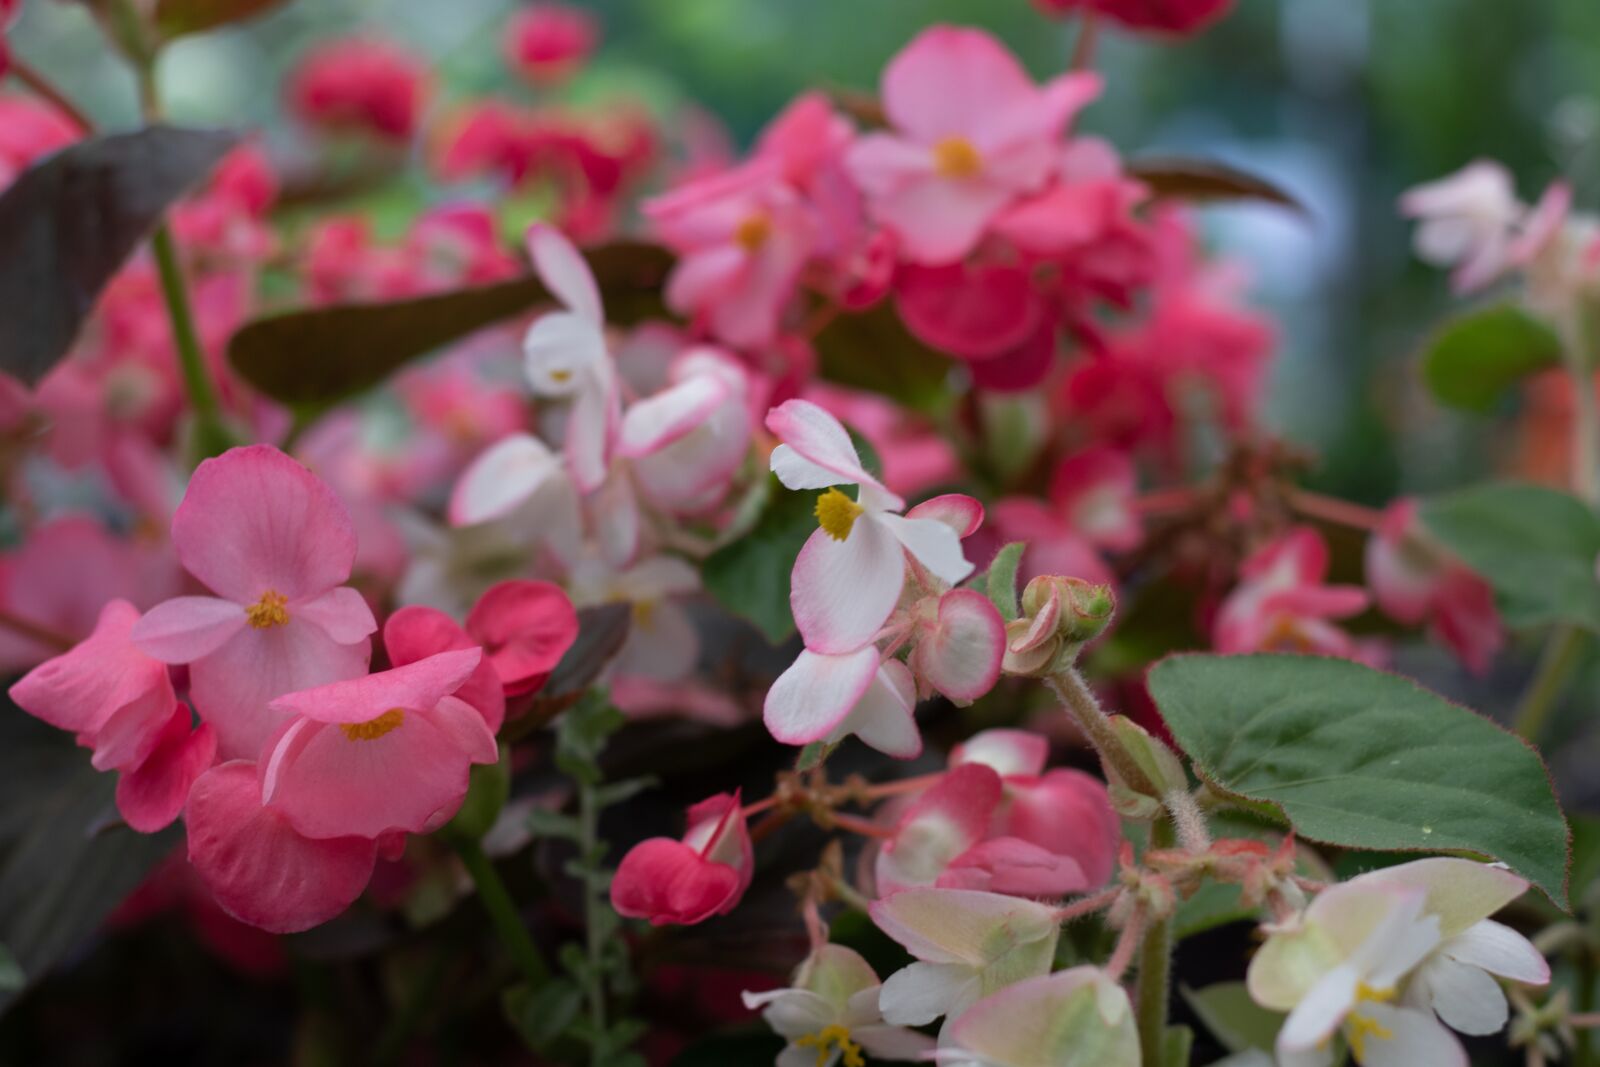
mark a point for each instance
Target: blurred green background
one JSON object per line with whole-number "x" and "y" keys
{"x": 1343, "y": 102}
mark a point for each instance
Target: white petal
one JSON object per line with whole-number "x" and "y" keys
{"x": 918, "y": 994}
{"x": 1466, "y": 998}
{"x": 882, "y": 718}
{"x": 564, "y": 271}
{"x": 1409, "y": 1038}
{"x": 936, "y": 546}
{"x": 557, "y": 351}
{"x": 1319, "y": 1013}
{"x": 816, "y": 693}
{"x": 503, "y": 476}
{"x": 842, "y": 592}
{"x": 659, "y": 420}
{"x": 1499, "y": 950}
{"x": 615, "y": 507}
{"x": 815, "y": 435}
{"x": 798, "y": 472}
{"x": 589, "y": 428}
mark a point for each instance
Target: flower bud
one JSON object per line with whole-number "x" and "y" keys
{"x": 1085, "y": 608}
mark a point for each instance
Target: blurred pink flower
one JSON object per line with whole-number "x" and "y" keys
{"x": 1161, "y": 16}
{"x": 685, "y": 882}
{"x": 525, "y": 628}
{"x": 367, "y": 85}
{"x": 547, "y": 43}
{"x": 1282, "y": 603}
{"x": 29, "y": 129}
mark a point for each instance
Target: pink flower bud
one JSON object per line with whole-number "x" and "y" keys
{"x": 686, "y": 882}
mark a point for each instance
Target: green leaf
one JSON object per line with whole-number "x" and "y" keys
{"x": 1474, "y": 358}
{"x": 313, "y": 358}
{"x": 1206, "y": 181}
{"x": 69, "y": 223}
{"x": 1235, "y": 1020}
{"x": 814, "y": 755}
{"x": 750, "y": 577}
{"x": 1176, "y": 1045}
{"x": 1001, "y": 583}
{"x": 543, "y": 823}
{"x": 1536, "y": 546}
{"x": 11, "y": 977}
{"x": 174, "y": 18}
{"x": 544, "y": 1014}
{"x": 1363, "y": 759}
{"x": 873, "y": 350}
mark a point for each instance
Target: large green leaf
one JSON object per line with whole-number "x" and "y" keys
{"x": 1364, "y": 759}
{"x": 1473, "y": 359}
{"x": 1536, "y": 546}
{"x": 316, "y": 357}
{"x": 69, "y": 223}
{"x": 1233, "y": 1018}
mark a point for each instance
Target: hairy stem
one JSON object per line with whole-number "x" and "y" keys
{"x": 502, "y": 912}
{"x": 1155, "y": 972}
{"x": 1096, "y": 725}
{"x": 594, "y": 982}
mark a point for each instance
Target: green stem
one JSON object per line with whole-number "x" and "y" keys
{"x": 1096, "y": 726}
{"x": 502, "y": 912}
{"x": 1563, "y": 652}
{"x": 1155, "y": 972}
{"x": 594, "y": 980}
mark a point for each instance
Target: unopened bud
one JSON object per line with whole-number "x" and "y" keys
{"x": 1086, "y": 608}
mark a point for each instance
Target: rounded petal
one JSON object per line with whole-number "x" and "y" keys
{"x": 657, "y": 421}
{"x": 342, "y": 613}
{"x": 976, "y": 312}
{"x": 1016, "y": 867}
{"x": 525, "y": 627}
{"x": 1461, "y": 892}
{"x": 419, "y": 685}
{"x": 953, "y": 80}
{"x": 502, "y": 477}
{"x": 919, "y": 994}
{"x": 960, "y": 512}
{"x": 416, "y": 632}
{"x": 152, "y": 795}
{"x": 1321, "y": 1010}
{"x": 560, "y": 352}
{"x": 253, "y": 520}
{"x": 589, "y": 430}
{"x": 257, "y": 867}
{"x": 812, "y": 434}
{"x": 81, "y": 689}
{"x": 962, "y": 926}
{"x": 1466, "y": 997}
{"x": 668, "y": 882}
{"x": 186, "y": 628}
{"x": 961, "y": 657}
{"x": 1077, "y": 1016}
{"x": 816, "y": 693}
{"x": 947, "y": 820}
{"x": 935, "y": 545}
{"x": 883, "y": 718}
{"x": 939, "y": 220}
{"x": 564, "y": 271}
{"x": 1500, "y": 950}
{"x": 1407, "y": 1038}
{"x": 842, "y": 592}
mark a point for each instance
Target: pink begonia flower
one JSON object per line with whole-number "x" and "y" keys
{"x": 387, "y": 752}
{"x": 972, "y": 310}
{"x": 1282, "y": 604}
{"x": 1054, "y": 546}
{"x": 258, "y": 867}
{"x": 1009, "y": 753}
{"x": 958, "y": 642}
{"x": 849, "y": 576}
{"x": 367, "y": 85}
{"x": 830, "y": 1013}
{"x": 687, "y": 440}
{"x": 1415, "y": 580}
{"x": 415, "y": 633}
{"x": 120, "y": 703}
{"x": 29, "y": 129}
{"x": 524, "y": 627}
{"x": 274, "y": 543}
{"x": 685, "y": 882}
{"x": 967, "y": 945}
{"x": 63, "y": 575}
{"x": 971, "y": 133}
{"x": 547, "y": 43}
{"x": 742, "y": 238}
{"x": 1096, "y": 490}
{"x": 1161, "y": 16}
{"x": 950, "y": 818}
{"x": 829, "y": 697}
{"x": 1078, "y": 1015}
{"x": 1340, "y": 969}
{"x": 1466, "y": 221}
{"x": 565, "y": 355}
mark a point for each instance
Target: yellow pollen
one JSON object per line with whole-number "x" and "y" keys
{"x": 560, "y": 375}
{"x": 829, "y": 1039}
{"x": 373, "y": 729}
{"x": 1359, "y": 1027}
{"x": 837, "y": 513}
{"x": 271, "y": 610}
{"x": 644, "y": 613}
{"x": 955, "y": 157}
{"x": 752, "y": 232}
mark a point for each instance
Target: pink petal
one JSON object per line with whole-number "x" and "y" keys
{"x": 1008, "y": 752}
{"x": 701, "y": 277}
{"x": 1014, "y": 867}
{"x": 659, "y": 420}
{"x": 668, "y": 882}
{"x": 81, "y": 689}
{"x": 187, "y": 628}
{"x": 1021, "y": 368}
{"x": 330, "y": 783}
{"x": 952, "y": 80}
{"x": 415, "y": 632}
{"x": 962, "y": 513}
{"x": 357, "y": 700}
{"x": 232, "y": 687}
{"x": 153, "y": 794}
{"x": 940, "y": 825}
{"x": 253, "y": 520}
{"x": 977, "y": 312}
{"x": 564, "y": 271}
{"x": 1069, "y": 813}
{"x": 939, "y": 220}
{"x": 961, "y": 656}
{"x": 842, "y": 592}
{"x": 815, "y": 694}
{"x": 342, "y": 613}
{"x": 259, "y": 870}
{"x": 525, "y": 627}
{"x": 814, "y": 436}
{"x": 589, "y": 429}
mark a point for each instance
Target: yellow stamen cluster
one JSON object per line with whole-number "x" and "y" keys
{"x": 373, "y": 729}
{"x": 837, "y": 513}
{"x": 956, "y": 157}
{"x": 752, "y": 232}
{"x": 271, "y": 610}
{"x": 829, "y": 1039}
{"x": 1360, "y": 1027}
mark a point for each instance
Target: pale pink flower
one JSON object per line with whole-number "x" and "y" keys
{"x": 1415, "y": 580}
{"x": 662, "y": 641}
{"x": 849, "y": 576}
{"x": 686, "y": 441}
{"x": 831, "y": 1013}
{"x": 971, "y": 133}
{"x": 1078, "y": 1014}
{"x": 1282, "y": 603}
{"x": 742, "y": 237}
{"x": 1096, "y": 489}
{"x": 829, "y": 697}
{"x": 1467, "y": 221}
{"x": 274, "y": 543}
{"x": 389, "y": 752}
{"x": 685, "y": 882}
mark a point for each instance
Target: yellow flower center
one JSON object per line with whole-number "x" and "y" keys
{"x": 373, "y": 729}
{"x": 560, "y": 376}
{"x": 644, "y": 614}
{"x": 271, "y": 610}
{"x": 1359, "y": 1027}
{"x": 831, "y": 1039}
{"x": 837, "y": 513}
{"x": 955, "y": 157}
{"x": 752, "y": 232}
